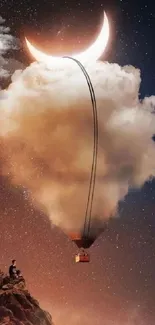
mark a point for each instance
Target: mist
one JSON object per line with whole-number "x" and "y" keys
{"x": 77, "y": 315}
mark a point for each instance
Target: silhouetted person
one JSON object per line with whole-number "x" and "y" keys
{"x": 13, "y": 270}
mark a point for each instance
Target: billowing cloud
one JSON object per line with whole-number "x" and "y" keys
{"x": 46, "y": 131}
{"x": 7, "y": 43}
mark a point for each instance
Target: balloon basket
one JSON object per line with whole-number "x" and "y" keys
{"x": 82, "y": 258}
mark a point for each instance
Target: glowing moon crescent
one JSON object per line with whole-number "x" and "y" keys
{"x": 93, "y": 53}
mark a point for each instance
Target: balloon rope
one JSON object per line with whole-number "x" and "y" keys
{"x": 88, "y": 213}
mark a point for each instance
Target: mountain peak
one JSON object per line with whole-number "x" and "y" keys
{"x": 17, "y": 306}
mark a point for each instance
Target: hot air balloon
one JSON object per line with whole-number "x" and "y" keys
{"x": 84, "y": 240}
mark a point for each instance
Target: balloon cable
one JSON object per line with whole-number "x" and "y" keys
{"x": 89, "y": 205}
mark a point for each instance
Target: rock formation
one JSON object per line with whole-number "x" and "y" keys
{"x": 17, "y": 306}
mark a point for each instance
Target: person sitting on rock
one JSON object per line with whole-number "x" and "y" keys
{"x": 13, "y": 270}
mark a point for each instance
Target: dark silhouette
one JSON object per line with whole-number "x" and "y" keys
{"x": 13, "y": 270}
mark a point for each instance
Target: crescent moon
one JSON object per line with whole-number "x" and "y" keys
{"x": 92, "y": 53}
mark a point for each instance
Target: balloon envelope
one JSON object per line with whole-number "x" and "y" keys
{"x": 82, "y": 241}
{"x": 86, "y": 240}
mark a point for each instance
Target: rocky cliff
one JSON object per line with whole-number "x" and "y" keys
{"x": 17, "y": 306}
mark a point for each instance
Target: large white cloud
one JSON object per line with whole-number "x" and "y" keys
{"x": 46, "y": 132}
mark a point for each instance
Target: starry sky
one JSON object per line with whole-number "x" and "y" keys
{"x": 118, "y": 286}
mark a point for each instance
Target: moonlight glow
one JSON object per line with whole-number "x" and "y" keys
{"x": 93, "y": 53}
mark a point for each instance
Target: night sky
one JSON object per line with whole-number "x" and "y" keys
{"x": 118, "y": 286}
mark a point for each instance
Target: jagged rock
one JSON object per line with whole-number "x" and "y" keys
{"x": 18, "y": 307}
{"x": 7, "y": 286}
{"x": 7, "y": 283}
